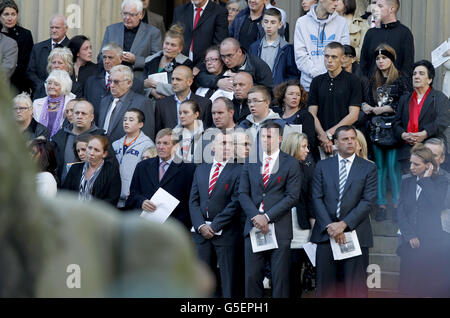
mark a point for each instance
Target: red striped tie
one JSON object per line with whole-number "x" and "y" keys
{"x": 265, "y": 176}
{"x": 214, "y": 178}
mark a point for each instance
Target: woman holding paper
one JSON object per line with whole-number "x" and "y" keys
{"x": 296, "y": 145}
{"x": 425, "y": 248}
{"x": 96, "y": 178}
{"x": 291, "y": 97}
{"x": 165, "y": 61}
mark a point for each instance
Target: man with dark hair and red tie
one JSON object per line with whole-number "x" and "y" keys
{"x": 164, "y": 171}
{"x": 214, "y": 208}
{"x": 268, "y": 190}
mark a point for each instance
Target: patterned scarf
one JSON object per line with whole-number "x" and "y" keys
{"x": 86, "y": 186}
{"x": 44, "y": 115}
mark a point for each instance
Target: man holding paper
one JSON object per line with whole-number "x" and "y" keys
{"x": 268, "y": 191}
{"x": 214, "y": 207}
{"x": 164, "y": 171}
{"x": 344, "y": 192}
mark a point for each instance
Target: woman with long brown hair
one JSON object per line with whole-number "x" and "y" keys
{"x": 387, "y": 85}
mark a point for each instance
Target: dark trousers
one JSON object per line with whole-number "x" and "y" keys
{"x": 280, "y": 267}
{"x": 345, "y": 278}
{"x": 224, "y": 256}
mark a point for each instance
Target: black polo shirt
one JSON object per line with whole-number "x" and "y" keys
{"x": 334, "y": 96}
{"x": 249, "y": 32}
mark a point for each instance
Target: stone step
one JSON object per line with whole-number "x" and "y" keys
{"x": 387, "y": 262}
{"x": 389, "y": 280}
{"x": 385, "y": 228}
{"x": 384, "y": 245}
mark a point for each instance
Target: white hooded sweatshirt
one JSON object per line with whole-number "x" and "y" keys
{"x": 310, "y": 38}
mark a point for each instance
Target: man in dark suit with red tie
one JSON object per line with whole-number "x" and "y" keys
{"x": 205, "y": 24}
{"x": 268, "y": 190}
{"x": 164, "y": 171}
{"x": 344, "y": 192}
{"x": 214, "y": 209}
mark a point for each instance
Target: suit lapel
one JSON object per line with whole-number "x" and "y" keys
{"x": 140, "y": 35}
{"x": 153, "y": 171}
{"x": 426, "y": 105}
{"x": 352, "y": 174}
{"x": 172, "y": 171}
{"x": 334, "y": 172}
{"x": 205, "y": 15}
{"x": 206, "y": 169}
{"x": 123, "y": 108}
{"x": 190, "y": 15}
{"x": 104, "y": 111}
{"x": 222, "y": 177}
{"x": 276, "y": 168}
{"x": 120, "y": 34}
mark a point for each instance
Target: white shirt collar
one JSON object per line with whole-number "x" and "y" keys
{"x": 180, "y": 101}
{"x": 168, "y": 161}
{"x": 203, "y": 7}
{"x": 222, "y": 163}
{"x": 351, "y": 158}
{"x": 53, "y": 42}
{"x": 274, "y": 156}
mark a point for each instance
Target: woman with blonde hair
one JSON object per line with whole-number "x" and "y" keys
{"x": 387, "y": 85}
{"x": 425, "y": 246}
{"x": 361, "y": 146}
{"x": 49, "y": 111}
{"x": 303, "y": 217}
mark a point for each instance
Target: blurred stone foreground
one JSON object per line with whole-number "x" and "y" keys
{"x": 117, "y": 255}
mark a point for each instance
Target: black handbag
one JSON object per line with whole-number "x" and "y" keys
{"x": 381, "y": 131}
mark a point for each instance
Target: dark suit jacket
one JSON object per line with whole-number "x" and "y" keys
{"x": 211, "y": 29}
{"x": 280, "y": 195}
{"x": 177, "y": 181}
{"x": 221, "y": 208}
{"x": 359, "y": 197}
{"x": 37, "y": 68}
{"x": 166, "y": 112}
{"x": 422, "y": 218}
{"x": 434, "y": 118}
{"x": 147, "y": 42}
{"x": 95, "y": 89}
{"x": 130, "y": 100}
{"x": 106, "y": 187}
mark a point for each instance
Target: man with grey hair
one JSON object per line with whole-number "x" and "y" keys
{"x": 98, "y": 86}
{"x": 37, "y": 68}
{"x": 137, "y": 39}
{"x": 114, "y": 106}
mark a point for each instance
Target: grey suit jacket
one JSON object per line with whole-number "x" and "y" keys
{"x": 9, "y": 53}
{"x": 280, "y": 195}
{"x": 359, "y": 197}
{"x": 147, "y": 42}
{"x": 129, "y": 100}
{"x": 221, "y": 208}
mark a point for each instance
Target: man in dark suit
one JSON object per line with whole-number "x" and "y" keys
{"x": 164, "y": 171}
{"x": 214, "y": 209}
{"x": 37, "y": 68}
{"x": 167, "y": 109}
{"x": 268, "y": 190}
{"x": 137, "y": 39}
{"x": 204, "y": 23}
{"x": 114, "y": 106}
{"x": 98, "y": 86}
{"x": 344, "y": 192}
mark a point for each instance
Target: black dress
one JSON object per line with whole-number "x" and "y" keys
{"x": 84, "y": 73}
{"x": 25, "y": 43}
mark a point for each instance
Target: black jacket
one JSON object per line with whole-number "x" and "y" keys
{"x": 25, "y": 43}
{"x": 305, "y": 209}
{"x": 84, "y": 73}
{"x": 35, "y": 130}
{"x": 434, "y": 118}
{"x": 106, "y": 187}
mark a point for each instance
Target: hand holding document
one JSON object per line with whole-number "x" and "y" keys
{"x": 348, "y": 250}
{"x": 208, "y": 223}
{"x": 437, "y": 56}
{"x": 261, "y": 242}
{"x": 165, "y": 204}
{"x": 159, "y": 77}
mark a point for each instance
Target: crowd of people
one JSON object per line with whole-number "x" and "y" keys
{"x": 249, "y": 132}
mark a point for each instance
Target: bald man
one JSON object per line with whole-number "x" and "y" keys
{"x": 242, "y": 83}
{"x": 167, "y": 109}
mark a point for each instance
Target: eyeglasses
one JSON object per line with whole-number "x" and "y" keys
{"x": 117, "y": 82}
{"x": 129, "y": 14}
{"x": 228, "y": 56}
{"x": 20, "y": 109}
{"x": 212, "y": 60}
{"x": 255, "y": 101}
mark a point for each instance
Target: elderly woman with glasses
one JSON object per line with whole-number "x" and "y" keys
{"x": 23, "y": 113}
{"x": 49, "y": 111}
{"x": 234, "y": 7}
